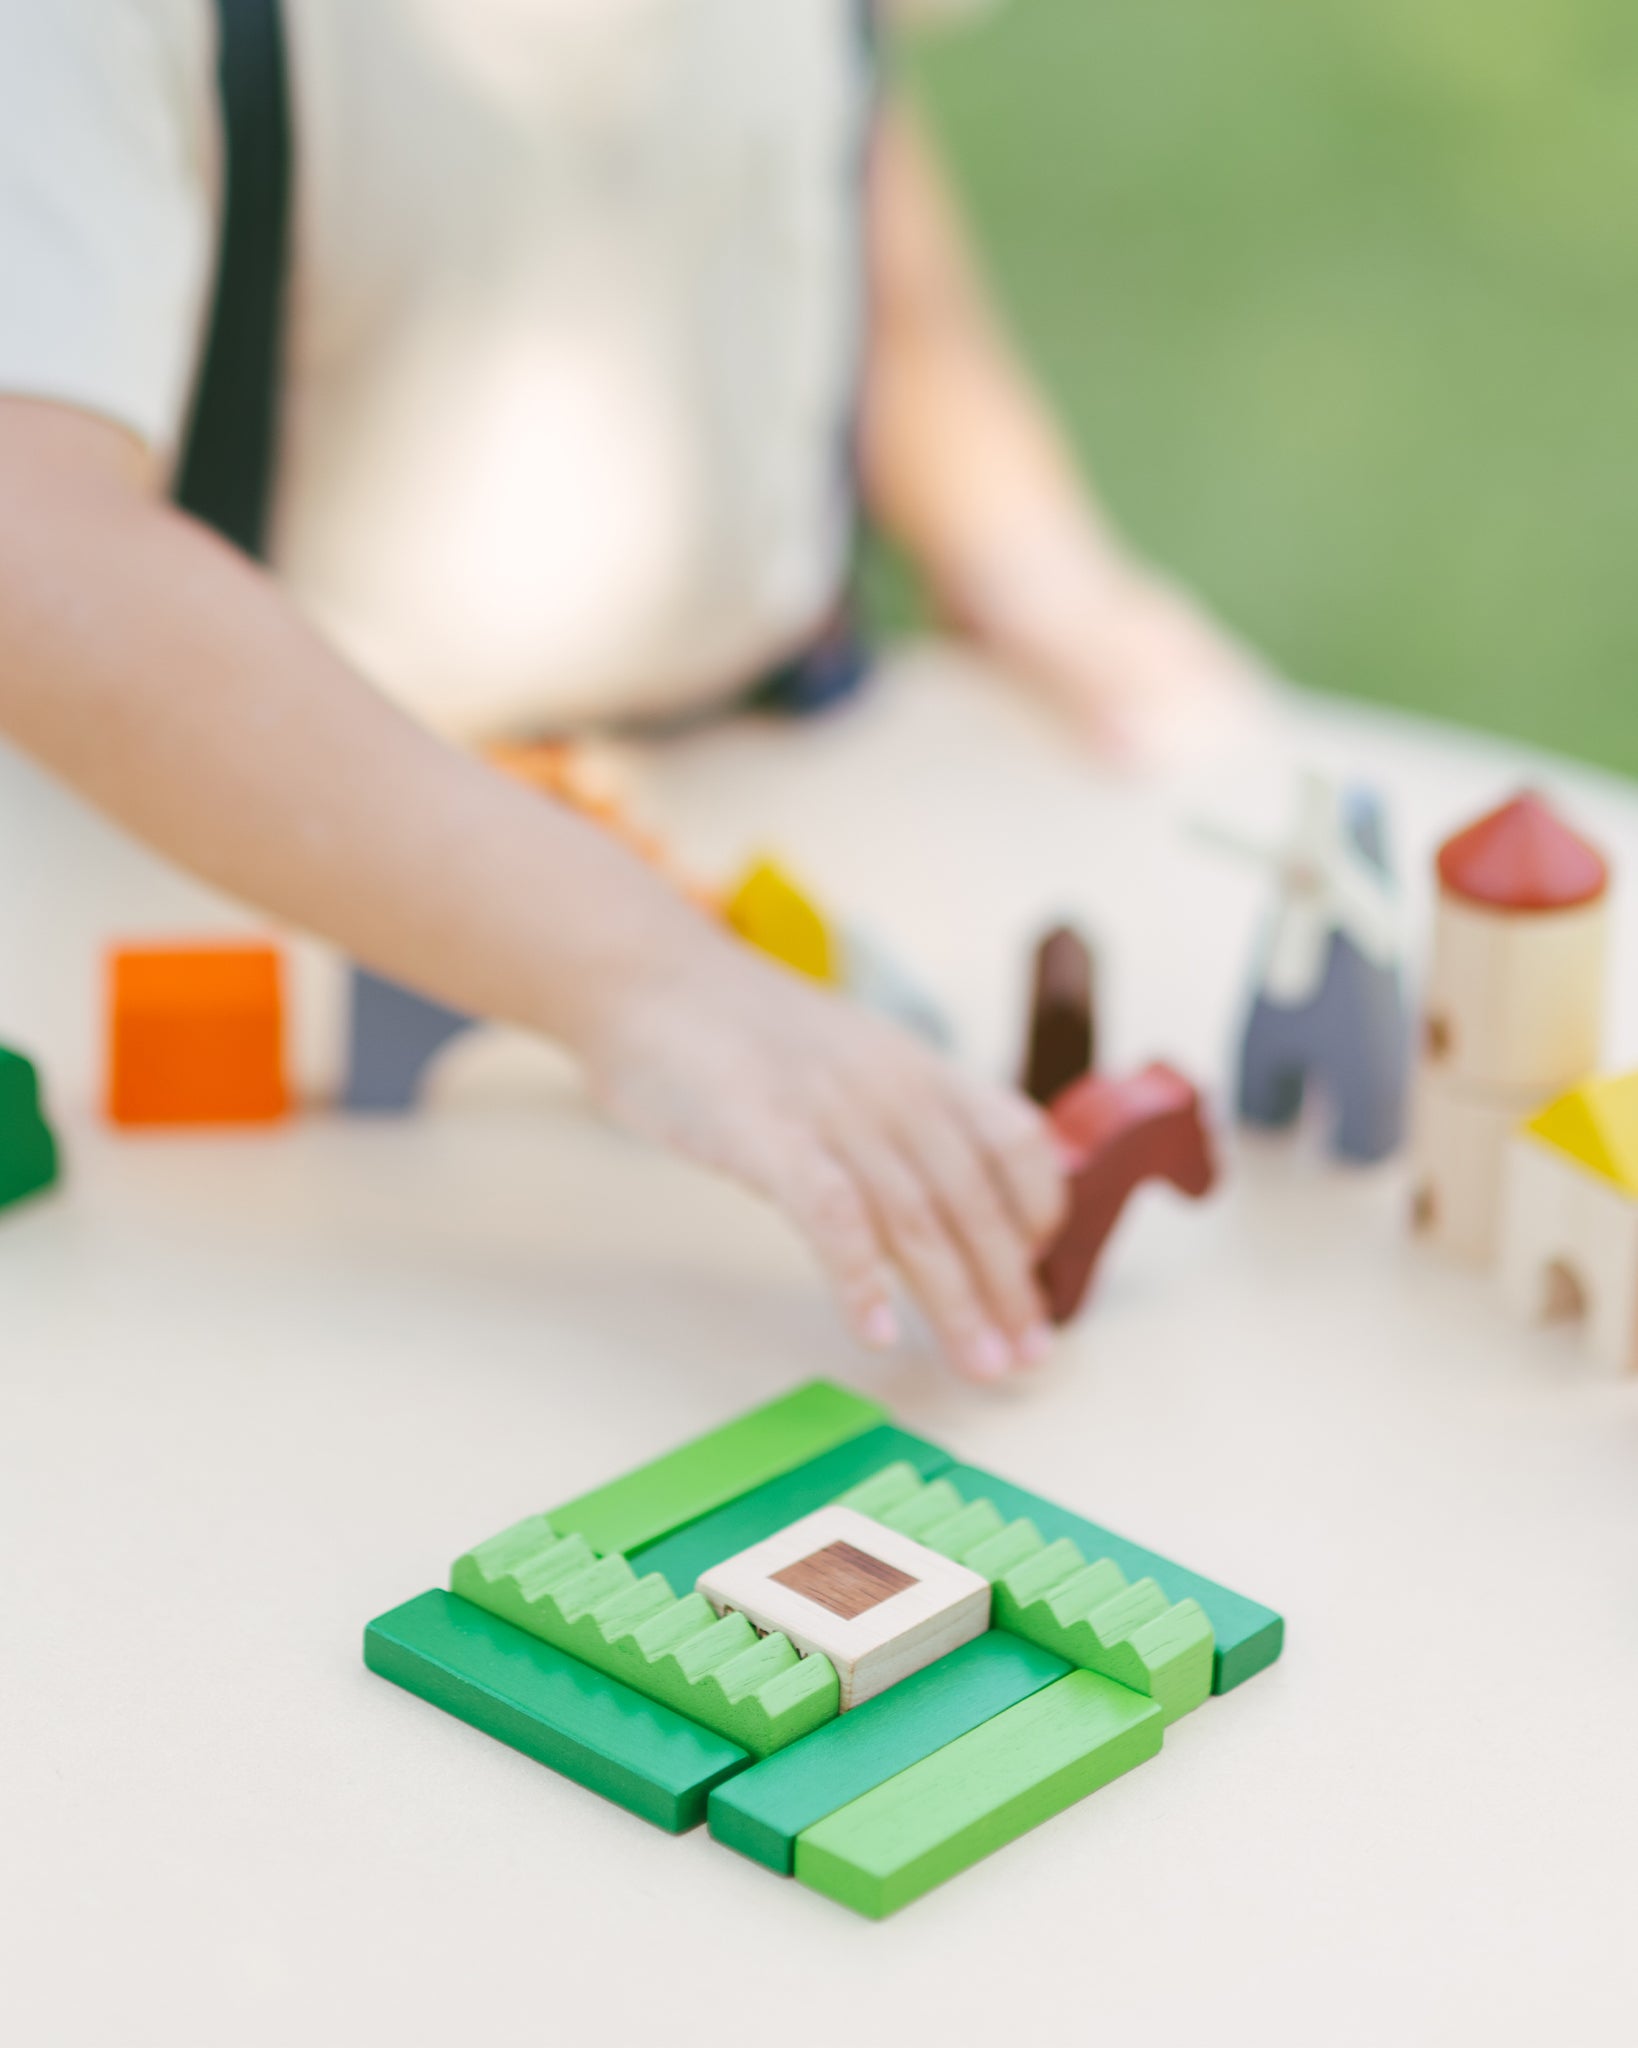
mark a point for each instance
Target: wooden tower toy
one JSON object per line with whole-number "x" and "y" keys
{"x": 1513, "y": 1012}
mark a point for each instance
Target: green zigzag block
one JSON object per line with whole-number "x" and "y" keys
{"x": 1088, "y": 1614}
{"x": 755, "y": 1690}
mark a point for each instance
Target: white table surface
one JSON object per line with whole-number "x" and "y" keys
{"x": 257, "y": 1389}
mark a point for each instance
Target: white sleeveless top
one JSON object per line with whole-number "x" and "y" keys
{"x": 575, "y": 319}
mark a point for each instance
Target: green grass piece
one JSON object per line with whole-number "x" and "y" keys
{"x": 978, "y": 1793}
{"x": 704, "y": 1475}
{"x": 28, "y": 1151}
{"x": 756, "y": 1691}
{"x": 763, "y": 1810}
{"x": 1248, "y": 1636}
{"x": 593, "y": 1729}
{"x": 1084, "y": 1612}
{"x": 682, "y": 1556}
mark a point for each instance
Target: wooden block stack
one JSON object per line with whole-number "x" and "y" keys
{"x": 1514, "y": 1009}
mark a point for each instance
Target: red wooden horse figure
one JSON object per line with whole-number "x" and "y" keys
{"x": 1120, "y": 1133}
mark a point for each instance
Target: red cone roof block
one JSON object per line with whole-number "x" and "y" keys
{"x": 1523, "y": 857}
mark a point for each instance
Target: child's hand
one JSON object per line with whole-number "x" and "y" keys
{"x": 881, "y": 1153}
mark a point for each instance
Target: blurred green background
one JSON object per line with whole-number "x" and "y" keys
{"x": 1341, "y": 303}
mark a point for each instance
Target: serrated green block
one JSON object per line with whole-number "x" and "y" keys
{"x": 594, "y": 1730}
{"x": 28, "y": 1151}
{"x": 756, "y": 1691}
{"x": 1083, "y": 1610}
{"x": 712, "y": 1470}
{"x": 1248, "y": 1636}
{"x": 978, "y": 1793}
{"x": 682, "y": 1556}
{"x": 763, "y": 1810}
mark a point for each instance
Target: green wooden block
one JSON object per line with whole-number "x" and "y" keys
{"x": 978, "y": 1793}
{"x": 704, "y": 1475}
{"x": 1248, "y": 1637}
{"x": 682, "y": 1556}
{"x": 756, "y": 1691}
{"x": 1049, "y": 1593}
{"x": 763, "y": 1810}
{"x": 526, "y": 1694}
{"x": 28, "y": 1151}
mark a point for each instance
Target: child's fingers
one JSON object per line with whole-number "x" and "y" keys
{"x": 819, "y": 1195}
{"x": 1016, "y": 1141}
{"x": 999, "y": 1249}
{"x": 935, "y": 1267}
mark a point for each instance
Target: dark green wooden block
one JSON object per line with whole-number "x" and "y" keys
{"x": 28, "y": 1151}
{"x": 1249, "y": 1636}
{"x": 763, "y": 1810}
{"x": 555, "y": 1709}
{"x": 682, "y": 1556}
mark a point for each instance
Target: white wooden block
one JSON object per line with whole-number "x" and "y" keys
{"x": 877, "y": 1604}
{"x": 1459, "y": 1145}
{"x": 1515, "y": 999}
{"x": 1569, "y": 1249}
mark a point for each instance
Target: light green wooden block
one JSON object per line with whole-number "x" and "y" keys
{"x": 704, "y": 1475}
{"x": 978, "y": 1793}
{"x": 1048, "y": 1593}
{"x": 756, "y": 1691}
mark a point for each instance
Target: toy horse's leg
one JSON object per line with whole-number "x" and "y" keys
{"x": 392, "y": 1037}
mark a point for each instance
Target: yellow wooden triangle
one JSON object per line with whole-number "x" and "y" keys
{"x": 1597, "y": 1126}
{"x": 770, "y": 912}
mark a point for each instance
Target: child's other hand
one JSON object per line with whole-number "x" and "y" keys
{"x": 880, "y": 1152}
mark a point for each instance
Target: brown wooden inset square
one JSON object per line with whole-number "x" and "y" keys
{"x": 847, "y": 1581}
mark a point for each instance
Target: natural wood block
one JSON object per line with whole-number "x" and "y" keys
{"x": 763, "y": 1810}
{"x": 553, "y": 1708}
{"x": 843, "y": 1586}
{"x": 686, "y": 1552}
{"x": 756, "y": 1691}
{"x": 1458, "y": 1148}
{"x": 1248, "y": 1636}
{"x": 196, "y": 1035}
{"x": 1569, "y": 1247}
{"x": 1515, "y": 999}
{"x": 716, "y": 1468}
{"x": 978, "y": 1793}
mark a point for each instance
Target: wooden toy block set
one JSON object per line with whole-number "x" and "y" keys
{"x": 857, "y": 1660}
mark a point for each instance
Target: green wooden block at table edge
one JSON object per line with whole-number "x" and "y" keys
{"x": 711, "y": 1470}
{"x": 681, "y": 1556}
{"x": 586, "y": 1726}
{"x": 842, "y": 1855}
{"x": 29, "y": 1161}
{"x": 1249, "y": 1636}
{"x": 761, "y": 1812}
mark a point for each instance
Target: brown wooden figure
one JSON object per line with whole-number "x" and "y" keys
{"x": 1147, "y": 1126}
{"x": 1062, "y": 1026}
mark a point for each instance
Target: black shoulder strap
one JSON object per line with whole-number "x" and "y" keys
{"x": 231, "y": 449}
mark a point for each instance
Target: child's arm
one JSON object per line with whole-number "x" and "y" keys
{"x": 966, "y": 468}
{"x": 168, "y": 681}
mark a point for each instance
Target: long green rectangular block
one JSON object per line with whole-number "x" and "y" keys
{"x": 1249, "y": 1637}
{"x": 763, "y": 1810}
{"x": 978, "y": 1793}
{"x": 704, "y": 1475}
{"x": 683, "y": 1555}
{"x": 555, "y": 1709}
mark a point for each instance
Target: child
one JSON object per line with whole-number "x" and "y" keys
{"x": 576, "y": 356}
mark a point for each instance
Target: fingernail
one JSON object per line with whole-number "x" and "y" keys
{"x": 880, "y": 1328}
{"x": 1035, "y": 1344}
{"x": 989, "y": 1355}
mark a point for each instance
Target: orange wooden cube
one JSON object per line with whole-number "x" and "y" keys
{"x": 196, "y": 1035}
